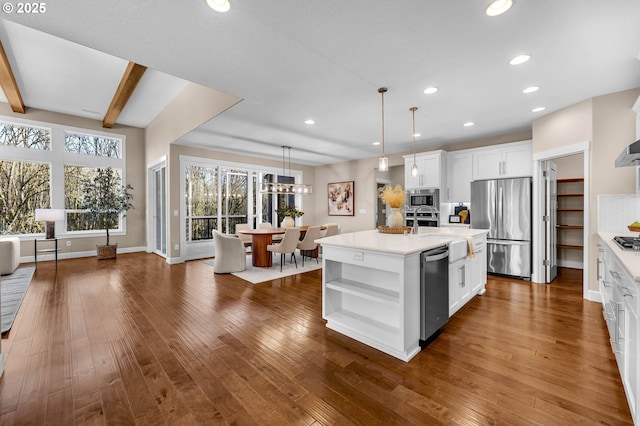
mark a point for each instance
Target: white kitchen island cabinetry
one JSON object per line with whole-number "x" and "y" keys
{"x": 371, "y": 286}
{"x": 373, "y": 298}
{"x": 619, "y": 278}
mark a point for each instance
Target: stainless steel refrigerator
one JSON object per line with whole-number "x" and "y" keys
{"x": 503, "y": 206}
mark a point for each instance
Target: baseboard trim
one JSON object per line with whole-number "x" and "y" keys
{"x": 175, "y": 260}
{"x": 77, "y": 254}
{"x": 594, "y": 296}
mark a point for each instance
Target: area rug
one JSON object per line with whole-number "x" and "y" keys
{"x": 257, "y": 275}
{"x": 12, "y": 290}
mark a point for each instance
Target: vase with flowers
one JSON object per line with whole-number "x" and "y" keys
{"x": 288, "y": 214}
{"x": 394, "y": 199}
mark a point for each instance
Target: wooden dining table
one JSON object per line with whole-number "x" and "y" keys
{"x": 261, "y": 238}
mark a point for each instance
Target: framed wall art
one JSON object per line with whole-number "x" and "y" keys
{"x": 340, "y": 198}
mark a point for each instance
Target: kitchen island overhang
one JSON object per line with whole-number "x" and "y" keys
{"x": 371, "y": 285}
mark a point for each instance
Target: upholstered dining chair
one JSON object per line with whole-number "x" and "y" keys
{"x": 246, "y": 239}
{"x": 230, "y": 253}
{"x": 267, "y": 225}
{"x": 308, "y": 244}
{"x": 332, "y": 229}
{"x": 288, "y": 245}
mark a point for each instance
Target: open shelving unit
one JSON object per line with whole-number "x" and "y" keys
{"x": 373, "y": 298}
{"x": 570, "y": 213}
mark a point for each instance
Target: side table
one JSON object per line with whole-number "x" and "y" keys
{"x": 45, "y": 250}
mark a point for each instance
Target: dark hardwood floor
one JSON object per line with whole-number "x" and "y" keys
{"x": 136, "y": 341}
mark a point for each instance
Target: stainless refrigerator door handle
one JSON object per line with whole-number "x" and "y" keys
{"x": 507, "y": 243}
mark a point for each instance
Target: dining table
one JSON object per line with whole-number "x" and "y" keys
{"x": 261, "y": 238}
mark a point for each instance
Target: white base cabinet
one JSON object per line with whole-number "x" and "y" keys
{"x": 620, "y": 308}
{"x": 373, "y": 298}
{"x": 459, "y": 284}
{"x": 468, "y": 276}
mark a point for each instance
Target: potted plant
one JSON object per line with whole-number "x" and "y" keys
{"x": 105, "y": 198}
{"x": 288, "y": 213}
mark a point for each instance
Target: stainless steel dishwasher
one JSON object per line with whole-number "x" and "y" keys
{"x": 434, "y": 291}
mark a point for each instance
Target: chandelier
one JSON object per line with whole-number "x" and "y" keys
{"x": 285, "y": 188}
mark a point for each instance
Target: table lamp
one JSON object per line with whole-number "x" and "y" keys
{"x": 50, "y": 216}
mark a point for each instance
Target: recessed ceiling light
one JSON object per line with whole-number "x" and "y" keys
{"x": 531, "y": 89}
{"x": 219, "y": 5}
{"x": 430, "y": 90}
{"x": 416, "y": 135}
{"x": 376, "y": 143}
{"x": 520, "y": 59}
{"x": 468, "y": 124}
{"x": 538, "y": 109}
{"x": 498, "y": 7}
{"x": 309, "y": 122}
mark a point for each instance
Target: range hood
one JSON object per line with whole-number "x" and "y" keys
{"x": 630, "y": 156}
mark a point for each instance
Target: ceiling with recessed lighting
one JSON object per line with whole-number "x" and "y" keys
{"x": 292, "y": 61}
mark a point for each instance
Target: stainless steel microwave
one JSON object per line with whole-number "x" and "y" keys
{"x": 423, "y": 198}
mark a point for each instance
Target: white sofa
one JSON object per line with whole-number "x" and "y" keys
{"x": 9, "y": 254}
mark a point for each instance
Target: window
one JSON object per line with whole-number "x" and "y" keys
{"x": 42, "y": 166}
{"x": 92, "y": 145}
{"x": 23, "y": 136}
{"x": 24, "y": 187}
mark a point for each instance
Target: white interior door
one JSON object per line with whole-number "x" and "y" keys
{"x": 550, "y": 222}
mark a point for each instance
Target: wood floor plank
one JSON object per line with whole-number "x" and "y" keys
{"x": 138, "y": 341}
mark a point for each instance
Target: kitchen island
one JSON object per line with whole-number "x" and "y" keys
{"x": 371, "y": 284}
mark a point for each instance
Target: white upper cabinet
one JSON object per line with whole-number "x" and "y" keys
{"x": 503, "y": 161}
{"x": 459, "y": 177}
{"x": 431, "y": 170}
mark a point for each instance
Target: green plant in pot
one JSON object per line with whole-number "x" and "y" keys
{"x": 288, "y": 214}
{"x": 105, "y": 198}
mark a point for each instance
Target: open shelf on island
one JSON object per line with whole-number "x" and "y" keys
{"x": 365, "y": 291}
{"x": 366, "y": 327}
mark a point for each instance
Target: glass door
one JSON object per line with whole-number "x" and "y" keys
{"x": 235, "y": 199}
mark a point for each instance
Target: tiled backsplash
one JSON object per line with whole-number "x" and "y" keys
{"x": 616, "y": 212}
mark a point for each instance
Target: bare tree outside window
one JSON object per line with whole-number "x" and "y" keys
{"x": 92, "y": 145}
{"x": 24, "y": 187}
{"x": 22, "y": 136}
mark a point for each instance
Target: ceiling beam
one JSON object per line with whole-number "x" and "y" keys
{"x": 130, "y": 80}
{"x": 8, "y": 83}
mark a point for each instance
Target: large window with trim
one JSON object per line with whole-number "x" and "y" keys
{"x": 219, "y": 195}
{"x": 43, "y": 166}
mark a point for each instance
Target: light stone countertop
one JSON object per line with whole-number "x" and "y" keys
{"x": 629, "y": 259}
{"x": 399, "y": 244}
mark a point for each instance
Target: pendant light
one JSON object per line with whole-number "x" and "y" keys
{"x": 414, "y": 168}
{"x": 285, "y": 188}
{"x": 383, "y": 162}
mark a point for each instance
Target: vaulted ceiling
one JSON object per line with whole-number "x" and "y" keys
{"x": 294, "y": 60}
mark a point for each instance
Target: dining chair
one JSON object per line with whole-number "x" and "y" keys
{"x": 332, "y": 229}
{"x": 288, "y": 245}
{"x": 246, "y": 239}
{"x": 308, "y": 246}
{"x": 267, "y": 225}
{"x": 230, "y": 255}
